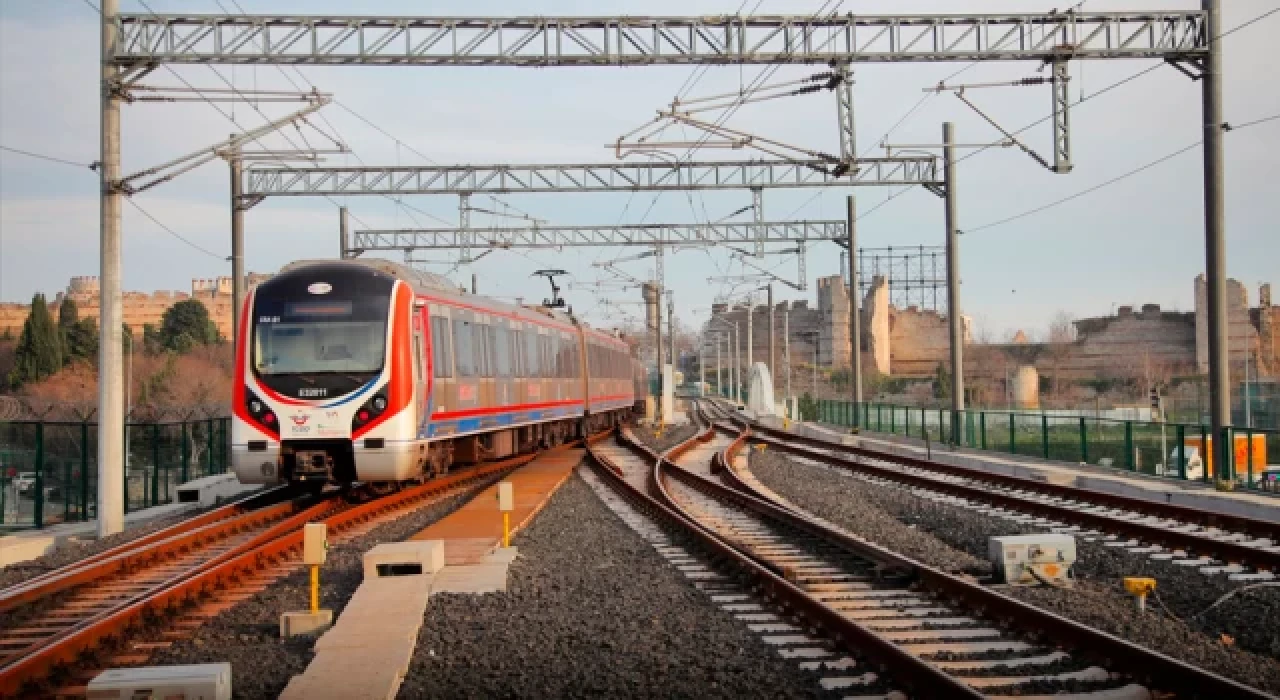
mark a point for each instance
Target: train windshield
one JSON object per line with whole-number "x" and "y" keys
{"x": 329, "y": 336}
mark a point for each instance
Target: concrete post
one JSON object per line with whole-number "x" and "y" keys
{"x": 475, "y": 288}
{"x": 954, "y": 319}
{"x": 343, "y": 251}
{"x": 773, "y": 359}
{"x": 671, "y": 330}
{"x": 702, "y": 374}
{"x": 237, "y": 242}
{"x": 786, "y": 349}
{"x": 737, "y": 364}
{"x": 1215, "y": 242}
{"x": 111, "y": 341}
{"x": 855, "y": 318}
{"x": 751, "y": 309}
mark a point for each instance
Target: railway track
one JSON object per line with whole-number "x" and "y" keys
{"x": 62, "y": 619}
{"x": 908, "y": 626}
{"x": 1241, "y": 547}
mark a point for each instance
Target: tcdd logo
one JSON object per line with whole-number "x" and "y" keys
{"x": 300, "y": 419}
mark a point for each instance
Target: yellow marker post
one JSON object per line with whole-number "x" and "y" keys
{"x": 315, "y": 588}
{"x": 506, "y": 503}
{"x": 1139, "y": 588}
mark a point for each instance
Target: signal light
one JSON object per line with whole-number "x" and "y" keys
{"x": 269, "y": 418}
{"x": 363, "y": 416}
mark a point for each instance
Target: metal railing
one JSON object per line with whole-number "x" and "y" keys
{"x": 1168, "y": 450}
{"x": 49, "y": 469}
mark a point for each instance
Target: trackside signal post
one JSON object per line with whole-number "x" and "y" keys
{"x": 315, "y": 549}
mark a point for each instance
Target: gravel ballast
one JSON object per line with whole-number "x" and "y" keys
{"x": 955, "y": 538}
{"x": 672, "y": 435}
{"x": 592, "y": 610}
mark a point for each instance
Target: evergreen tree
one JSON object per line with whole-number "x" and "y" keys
{"x": 39, "y": 351}
{"x": 79, "y": 335}
{"x": 185, "y": 325}
{"x": 942, "y": 382}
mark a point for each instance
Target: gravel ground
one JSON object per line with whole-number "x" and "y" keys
{"x": 592, "y": 610}
{"x": 955, "y": 538}
{"x": 672, "y": 436}
{"x": 248, "y": 635}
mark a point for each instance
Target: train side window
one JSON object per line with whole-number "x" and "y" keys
{"x": 441, "y": 357}
{"x": 501, "y": 350}
{"x": 517, "y": 363}
{"x": 484, "y": 350}
{"x": 532, "y": 367}
{"x": 464, "y": 348}
{"x": 546, "y": 358}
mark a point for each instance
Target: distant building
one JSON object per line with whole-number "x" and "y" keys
{"x": 140, "y": 308}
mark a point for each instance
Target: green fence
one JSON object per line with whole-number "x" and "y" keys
{"x": 49, "y": 470}
{"x": 1160, "y": 449}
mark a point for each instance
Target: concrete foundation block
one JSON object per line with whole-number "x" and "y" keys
{"x": 209, "y": 490}
{"x": 402, "y": 558}
{"x": 293, "y": 624}
{"x": 501, "y": 555}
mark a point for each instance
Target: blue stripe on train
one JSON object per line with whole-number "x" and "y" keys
{"x": 498, "y": 420}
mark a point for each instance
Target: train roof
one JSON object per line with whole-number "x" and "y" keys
{"x": 424, "y": 282}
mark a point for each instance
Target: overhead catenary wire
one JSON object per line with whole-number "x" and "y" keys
{"x": 1123, "y": 176}
{"x": 93, "y": 166}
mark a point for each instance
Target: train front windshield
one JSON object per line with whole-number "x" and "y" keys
{"x": 309, "y": 344}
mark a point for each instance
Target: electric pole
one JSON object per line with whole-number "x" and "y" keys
{"x": 953, "y": 282}
{"x": 1215, "y": 242}
{"x": 236, "y": 162}
{"x": 343, "y": 251}
{"x": 855, "y": 318}
{"x": 773, "y": 360}
{"x": 111, "y": 354}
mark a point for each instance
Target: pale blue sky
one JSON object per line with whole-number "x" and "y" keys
{"x": 1137, "y": 241}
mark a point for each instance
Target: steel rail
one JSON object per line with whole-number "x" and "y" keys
{"x": 260, "y": 500}
{"x": 1152, "y": 668}
{"x": 131, "y": 556}
{"x": 910, "y": 671}
{"x": 286, "y": 537}
{"x": 1228, "y": 551}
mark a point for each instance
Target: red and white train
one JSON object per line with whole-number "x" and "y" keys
{"x": 369, "y": 371}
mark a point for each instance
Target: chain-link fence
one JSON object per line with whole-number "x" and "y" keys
{"x": 49, "y": 470}
{"x": 1170, "y": 450}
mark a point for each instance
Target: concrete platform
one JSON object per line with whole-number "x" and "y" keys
{"x": 367, "y": 653}
{"x": 1191, "y": 494}
{"x": 474, "y": 531}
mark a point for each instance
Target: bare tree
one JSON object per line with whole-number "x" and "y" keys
{"x": 1061, "y": 336}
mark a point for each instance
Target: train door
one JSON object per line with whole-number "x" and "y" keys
{"x": 504, "y": 363}
{"x": 468, "y": 359}
{"x": 420, "y": 382}
{"x": 444, "y": 387}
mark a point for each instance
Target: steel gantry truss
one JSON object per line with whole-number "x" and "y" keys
{"x": 583, "y": 236}
{"x": 597, "y": 177}
{"x": 616, "y": 41}
{"x": 134, "y": 44}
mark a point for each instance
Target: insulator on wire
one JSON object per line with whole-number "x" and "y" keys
{"x": 1032, "y": 81}
{"x": 808, "y": 89}
{"x": 816, "y": 77}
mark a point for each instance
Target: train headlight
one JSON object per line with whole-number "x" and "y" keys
{"x": 369, "y": 411}
{"x": 259, "y": 413}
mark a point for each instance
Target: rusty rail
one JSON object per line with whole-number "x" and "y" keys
{"x": 1152, "y": 668}
{"x": 285, "y": 537}
{"x": 1192, "y": 543}
{"x": 913, "y": 673}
